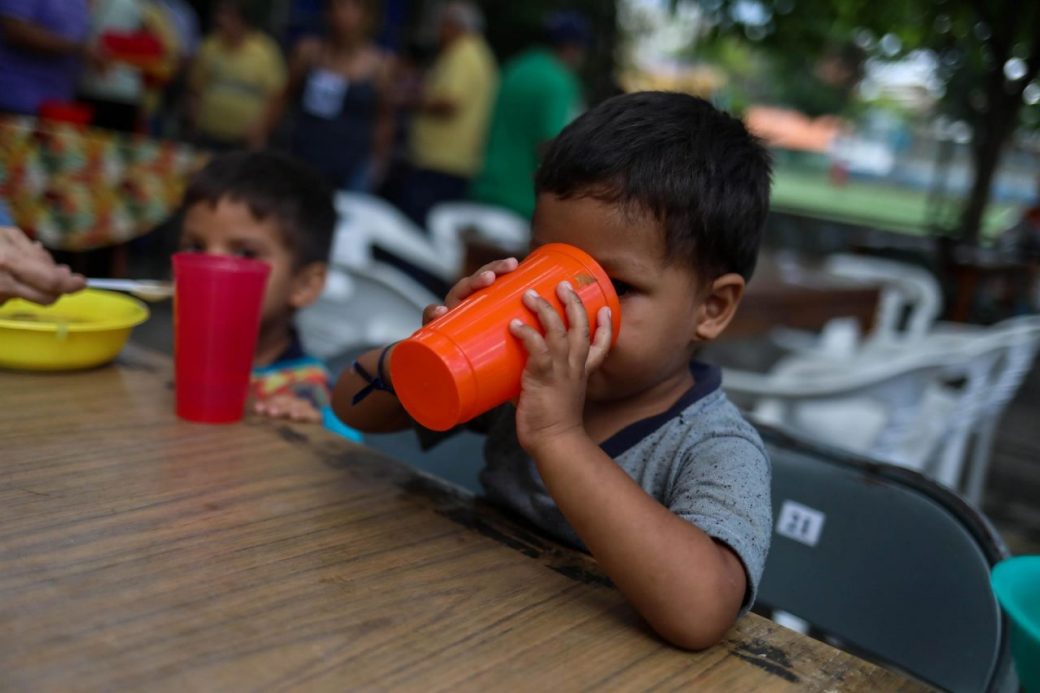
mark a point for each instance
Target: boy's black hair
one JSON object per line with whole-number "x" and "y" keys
{"x": 273, "y": 186}
{"x": 695, "y": 169}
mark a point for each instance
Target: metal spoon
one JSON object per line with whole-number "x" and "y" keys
{"x": 144, "y": 289}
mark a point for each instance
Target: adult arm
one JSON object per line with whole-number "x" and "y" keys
{"x": 30, "y": 36}
{"x": 28, "y": 271}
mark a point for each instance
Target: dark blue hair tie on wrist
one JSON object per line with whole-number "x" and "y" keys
{"x": 376, "y": 382}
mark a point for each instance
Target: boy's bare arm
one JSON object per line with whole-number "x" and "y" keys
{"x": 378, "y": 412}
{"x": 688, "y": 587}
{"x": 381, "y": 412}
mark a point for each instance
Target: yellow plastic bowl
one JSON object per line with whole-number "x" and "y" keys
{"x": 80, "y": 330}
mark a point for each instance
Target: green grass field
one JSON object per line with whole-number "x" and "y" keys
{"x": 868, "y": 204}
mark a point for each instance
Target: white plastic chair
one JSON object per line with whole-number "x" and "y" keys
{"x": 906, "y": 287}
{"x": 897, "y": 409}
{"x": 907, "y": 290}
{"x": 361, "y": 308}
{"x": 366, "y": 221}
{"x": 1004, "y": 354}
{"x": 931, "y": 404}
{"x": 497, "y": 226}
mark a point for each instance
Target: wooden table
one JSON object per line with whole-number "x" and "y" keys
{"x": 143, "y": 552}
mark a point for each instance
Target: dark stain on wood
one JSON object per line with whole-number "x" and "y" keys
{"x": 581, "y": 574}
{"x": 471, "y": 520}
{"x": 490, "y": 522}
{"x": 438, "y": 493}
{"x": 128, "y": 363}
{"x": 291, "y": 435}
{"x": 766, "y": 657}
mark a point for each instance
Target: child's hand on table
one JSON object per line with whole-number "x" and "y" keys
{"x": 552, "y": 390}
{"x": 289, "y": 407}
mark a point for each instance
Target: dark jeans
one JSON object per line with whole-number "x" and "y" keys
{"x": 422, "y": 188}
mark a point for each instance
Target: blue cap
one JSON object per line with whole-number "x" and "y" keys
{"x": 567, "y": 26}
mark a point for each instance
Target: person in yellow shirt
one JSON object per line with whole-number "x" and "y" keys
{"x": 236, "y": 74}
{"x": 446, "y": 145}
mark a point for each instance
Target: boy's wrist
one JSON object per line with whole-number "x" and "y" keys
{"x": 376, "y": 377}
{"x": 562, "y": 444}
{"x": 383, "y": 366}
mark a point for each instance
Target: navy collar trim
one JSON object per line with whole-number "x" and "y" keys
{"x": 706, "y": 380}
{"x": 292, "y": 352}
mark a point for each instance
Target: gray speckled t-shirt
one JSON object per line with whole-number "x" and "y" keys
{"x": 700, "y": 459}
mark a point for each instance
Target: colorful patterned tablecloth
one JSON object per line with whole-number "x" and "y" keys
{"x": 77, "y": 189}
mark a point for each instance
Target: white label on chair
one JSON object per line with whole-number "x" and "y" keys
{"x": 800, "y": 522}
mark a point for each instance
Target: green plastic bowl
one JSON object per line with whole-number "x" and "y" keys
{"x": 1016, "y": 582}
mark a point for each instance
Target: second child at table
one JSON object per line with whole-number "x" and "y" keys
{"x": 270, "y": 207}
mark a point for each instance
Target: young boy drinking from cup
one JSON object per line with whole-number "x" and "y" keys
{"x": 633, "y": 451}
{"x": 271, "y": 208}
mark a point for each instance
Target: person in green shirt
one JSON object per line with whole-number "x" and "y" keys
{"x": 539, "y": 94}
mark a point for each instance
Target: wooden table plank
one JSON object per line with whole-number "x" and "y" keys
{"x": 137, "y": 550}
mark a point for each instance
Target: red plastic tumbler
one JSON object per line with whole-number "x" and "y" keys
{"x": 216, "y": 317}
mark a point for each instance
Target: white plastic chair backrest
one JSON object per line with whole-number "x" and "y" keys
{"x": 894, "y": 387}
{"x": 905, "y": 287}
{"x": 991, "y": 361}
{"x": 1020, "y": 339}
{"x": 362, "y": 307}
{"x": 366, "y": 221}
{"x": 1013, "y": 345}
{"x": 998, "y": 359}
{"x": 495, "y": 225}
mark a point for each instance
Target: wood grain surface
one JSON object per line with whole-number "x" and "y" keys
{"x": 138, "y": 551}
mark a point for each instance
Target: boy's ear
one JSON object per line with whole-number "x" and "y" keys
{"x": 307, "y": 284}
{"x": 718, "y": 306}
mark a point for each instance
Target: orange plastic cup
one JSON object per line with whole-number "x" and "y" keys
{"x": 467, "y": 362}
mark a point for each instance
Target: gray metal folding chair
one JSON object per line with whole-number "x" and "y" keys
{"x": 886, "y": 563}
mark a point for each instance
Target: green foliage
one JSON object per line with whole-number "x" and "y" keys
{"x": 975, "y": 41}
{"x": 972, "y": 39}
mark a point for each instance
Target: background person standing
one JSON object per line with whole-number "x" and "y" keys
{"x": 341, "y": 118}
{"x": 43, "y": 46}
{"x": 446, "y": 144}
{"x": 539, "y": 95}
{"x": 237, "y": 72}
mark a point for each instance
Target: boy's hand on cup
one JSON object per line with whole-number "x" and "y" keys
{"x": 552, "y": 389}
{"x": 288, "y": 407}
{"x": 481, "y": 279}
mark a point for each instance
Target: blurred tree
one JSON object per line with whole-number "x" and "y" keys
{"x": 988, "y": 52}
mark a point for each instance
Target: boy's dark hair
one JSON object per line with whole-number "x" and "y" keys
{"x": 273, "y": 186}
{"x": 695, "y": 169}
